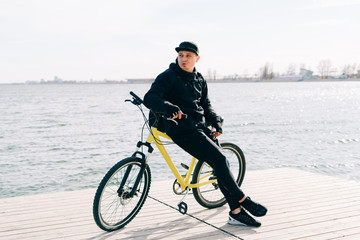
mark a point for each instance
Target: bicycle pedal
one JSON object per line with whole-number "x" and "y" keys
{"x": 185, "y": 166}
{"x": 183, "y": 207}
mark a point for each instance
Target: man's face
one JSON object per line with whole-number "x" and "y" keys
{"x": 187, "y": 60}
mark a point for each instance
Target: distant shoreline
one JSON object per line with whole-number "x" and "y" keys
{"x": 149, "y": 81}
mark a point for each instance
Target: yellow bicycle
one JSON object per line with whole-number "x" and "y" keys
{"x": 125, "y": 187}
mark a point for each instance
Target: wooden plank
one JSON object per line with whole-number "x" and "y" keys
{"x": 301, "y": 205}
{"x": 350, "y": 233}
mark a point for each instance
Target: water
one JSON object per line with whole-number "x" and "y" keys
{"x": 65, "y": 137}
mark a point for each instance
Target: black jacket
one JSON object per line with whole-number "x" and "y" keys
{"x": 186, "y": 90}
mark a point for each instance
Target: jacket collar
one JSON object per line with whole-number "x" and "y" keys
{"x": 175, "y": 67}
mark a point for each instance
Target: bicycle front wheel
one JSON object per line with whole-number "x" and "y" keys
{"x": 209, "y": 195}
{"x": 114, "y": 205}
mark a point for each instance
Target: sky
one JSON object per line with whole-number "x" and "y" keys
{"x": 121, "y": 39}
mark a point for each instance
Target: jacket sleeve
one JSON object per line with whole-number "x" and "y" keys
{"x": 154, "y": 98}
{"x": 209, "y": 112}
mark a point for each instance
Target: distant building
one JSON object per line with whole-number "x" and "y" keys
{"x": 140, "y": 80}
{"x": 342, "y": 76}
{"x": 306, "y": 74}
{"x": 57, "y": 80}
{"x": 289, "y": 78}
{"x": 303, "y": 75}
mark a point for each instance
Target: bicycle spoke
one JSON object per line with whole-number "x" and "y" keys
{"x": 210, "y": 195}
{"x": 115, "y": 207}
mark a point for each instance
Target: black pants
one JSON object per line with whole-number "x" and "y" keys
{"x": 201, "y": 146}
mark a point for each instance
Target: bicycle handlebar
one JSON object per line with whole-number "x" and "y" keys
{"x": 136, "y": 97}
{"x": 137, "y": 101}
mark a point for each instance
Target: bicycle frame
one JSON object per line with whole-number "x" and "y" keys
{"x": 131, "y": 176}
{"x": 154, "y": 136}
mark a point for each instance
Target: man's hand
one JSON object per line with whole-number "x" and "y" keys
{"x": 216, "y": 129}
{"x": 214, "y": 133}
{"x": 172, "y": 111}
{"x": 177, "y": 115}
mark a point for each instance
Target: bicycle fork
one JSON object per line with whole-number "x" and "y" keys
{"x": 181, "y": 205}
{"x": 144, "y": 158}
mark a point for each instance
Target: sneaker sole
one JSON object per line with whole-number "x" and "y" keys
{"x": 233, "y": 221}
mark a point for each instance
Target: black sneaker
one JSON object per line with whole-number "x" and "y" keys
{"x": 254, "y": 208}
{"x": 243, "y": 219}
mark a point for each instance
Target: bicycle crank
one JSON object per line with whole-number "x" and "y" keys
{"x": 178, "y": 190}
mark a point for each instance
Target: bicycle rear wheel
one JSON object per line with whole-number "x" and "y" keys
{"x": 209, "y": 195}
{"x": 113, "y": 206}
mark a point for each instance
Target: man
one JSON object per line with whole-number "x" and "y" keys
{"x": 182, "y": 90}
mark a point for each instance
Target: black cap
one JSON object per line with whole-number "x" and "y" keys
{"x": 188, "y": 46}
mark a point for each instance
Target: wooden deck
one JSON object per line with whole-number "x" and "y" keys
{"x": 301, "y": 205}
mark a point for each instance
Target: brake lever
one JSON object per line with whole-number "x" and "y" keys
{"x": 173, "y": 120}
{"x": 183, "y": 116}
{"x": 134, "y": 101}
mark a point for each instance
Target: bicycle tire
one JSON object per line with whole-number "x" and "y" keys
{"x": 209, "y": 195}
{"x": 113, "y": 210}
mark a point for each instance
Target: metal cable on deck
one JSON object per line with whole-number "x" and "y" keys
{"x": 200, "y": 220}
